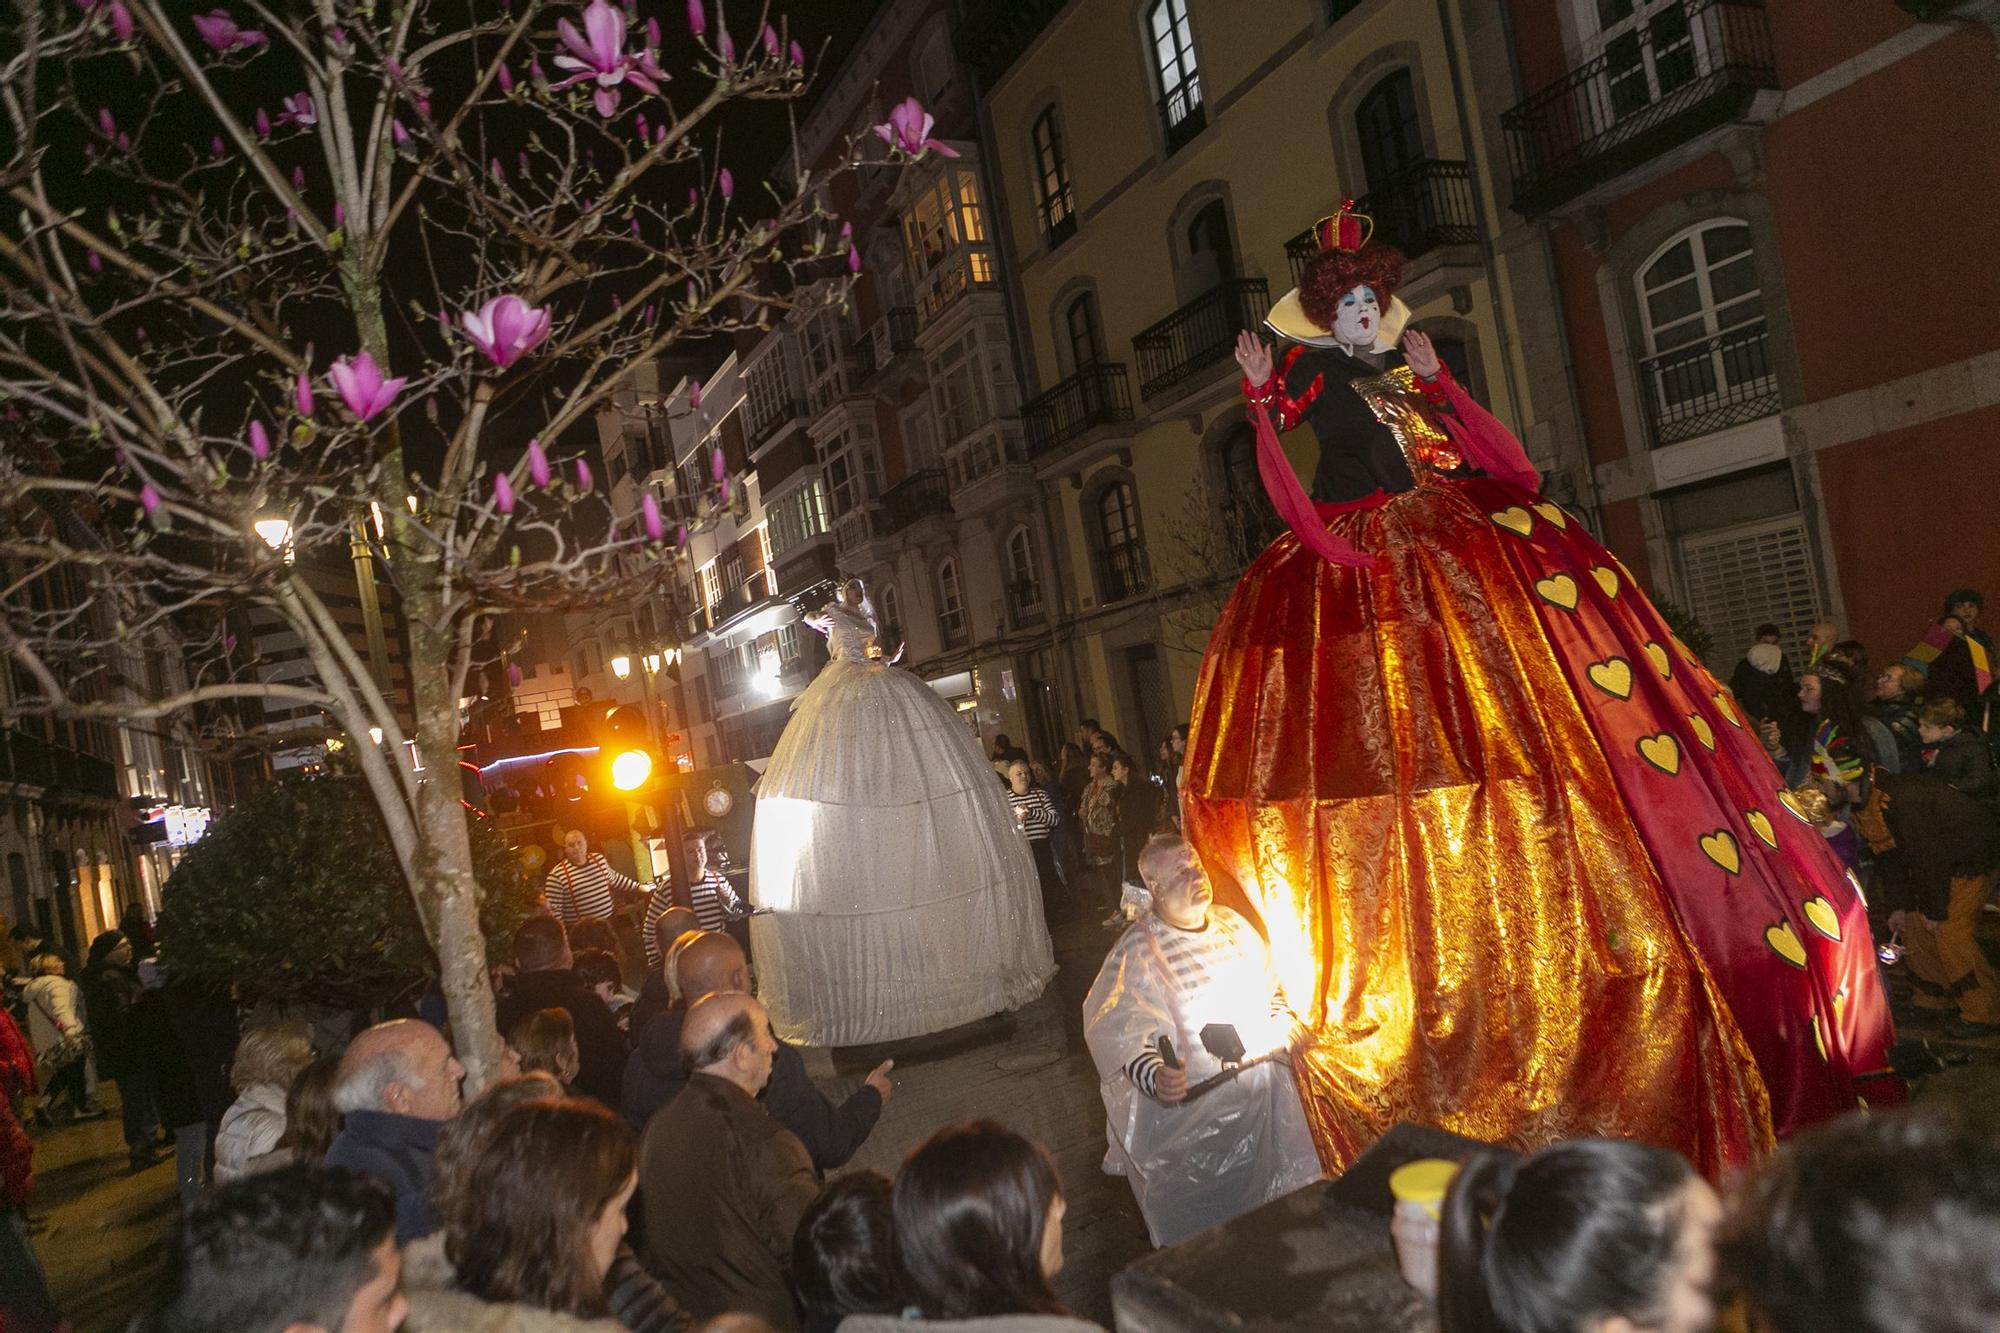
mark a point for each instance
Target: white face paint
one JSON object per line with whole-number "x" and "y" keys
{"x": 1359, "y": 318}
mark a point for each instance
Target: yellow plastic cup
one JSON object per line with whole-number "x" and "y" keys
{"x": 1419, "y": 1188}
{"x": 1423, "y": 1182}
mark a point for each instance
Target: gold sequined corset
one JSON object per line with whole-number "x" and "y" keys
{"x": 1397, "y": 403}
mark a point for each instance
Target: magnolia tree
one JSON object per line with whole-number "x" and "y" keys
{"x": 292, "y": 274}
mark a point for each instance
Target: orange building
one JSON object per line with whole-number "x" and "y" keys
{"x": 1773, "y": 233}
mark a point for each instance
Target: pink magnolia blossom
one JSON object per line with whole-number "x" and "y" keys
{"x": 697, "y": 18}
{"x": 639, "y": 122}
{"x": 506, "y": 79}
{"x": 107, "y": 124}
{"x": 770, "y": 37}
{"x": 652, "y": 34}
{"x": 649, "y": 513}
{"x": 503, "y": 493}
{"x": 726, "y": 47}
{"x": 538, "y": 464}
{"x": 219, "y": 30}
{"x": 119, "y": 17}
{"x": 339, "y": 213}
{"x": 298, "y": 178}
{"x": 598, "y": 55}
{"x": 263, "y": 123}
{"x": 718, "y": 465}
{"x": 726, "y": 183}
{"x": 361, "y": 386}
{"x": 398, "y": 134}
{"x": 149, "y": 500}
{"x": 215, "y": 146}
{"x": 499, "y": 172}
{"x": 514, "y": 676}
{"x": 681, "y": 535}
{"x": 506, "y": 328}
{"x": 694, "y": 396}
{"x": 94, "y": 262}
{"x": 797, "y": 53}
{"x": 909, "y": 128}
{"x": 583, "y": 478}
{"x": 302, "y": 395}
{"x": 260, "y": 441}
{"x": 300, "y": 109}
{"x": 853, "y": 260}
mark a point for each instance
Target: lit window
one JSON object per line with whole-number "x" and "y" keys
{"x": 1124, "y": 557}
{"x": 1052, "y": 178}
{"x": 951, "y": 605}
{"x": 1173, "y": 63}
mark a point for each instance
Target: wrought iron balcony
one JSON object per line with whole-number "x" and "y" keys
{"x": 919, "y": 495}
{"x": 882, "y": 342}
{"x": 1687, "y": 70}
{"x": 899, "y": 328}
{"x": 1199, "y": 334}
{"x": 1122, "y": 572}
{"x": 783, "y": 410}
{"x": 1183, "y": 114}
{"x": 1700, "y": 388}
{"x": 1426, "y": 205}
{"x": 1098, "y": 395}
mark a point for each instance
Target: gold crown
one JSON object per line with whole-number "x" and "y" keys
{"x": 1344, "y": 230}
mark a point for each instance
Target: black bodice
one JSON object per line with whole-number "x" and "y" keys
{"x": 1357, "y": 453}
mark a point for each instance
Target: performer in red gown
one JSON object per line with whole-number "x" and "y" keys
{"x": 1521, "y": 863}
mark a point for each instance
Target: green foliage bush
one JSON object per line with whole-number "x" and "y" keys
{"x": 295, "y": 897}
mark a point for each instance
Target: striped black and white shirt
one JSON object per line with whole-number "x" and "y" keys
{"x": 715, "y": 900}
{"x": 1037, "y": 812}
{"x": 575, "y": 892}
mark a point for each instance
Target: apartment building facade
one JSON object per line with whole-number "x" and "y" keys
{"x": 1721, "y": 184}
{"x": 1159, "y": 165}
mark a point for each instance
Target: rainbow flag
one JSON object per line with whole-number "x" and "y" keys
{"x": 1936, "y": 641}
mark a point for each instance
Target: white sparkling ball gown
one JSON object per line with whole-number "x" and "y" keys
{"x": 902, "y": 899}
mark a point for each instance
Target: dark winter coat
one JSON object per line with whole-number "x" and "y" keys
{"x": 156, "y": 1043}
{"x": 109, "y": 992}
{"x": 598, "y": 1040}
{"x": 1961, "y": 759}
{"x": 832, "y": 1134}
{"x": 401, "y": 1152}
{"x": 1940, "y": 834}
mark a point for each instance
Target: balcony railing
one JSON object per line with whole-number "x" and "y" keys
{"x": 1024, "y": 604}
{"x": 852, "y": 530}
{"x": 918, "y": 495}
{"x": 27, "y": 759}
{"x": 1426, "y": 205}
{"x": 1700, "y": 388}
{"x": 780, "y": 412}
{"x": 968, "y": 271}
{"x": 1199, "y": 334}
{"x": 1686, "y": 70}
{"x": 1121, "y": 572}
{"x": 1183, "y": 114}
{"x": 1098, "y": 395}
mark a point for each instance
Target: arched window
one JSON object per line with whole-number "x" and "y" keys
{"x": 1708, "y": 365}
{"x": 1211, "y": 251}
{"x": 1024, "y": 585}
{"x": 888, "y": 617}
{"x": 1248, "y": 521}
{"x": 1392, "y": 136}
{"x": 1173, "y": 64}
{"x": 1052, "y": 179}
{"x": 1122, "y": 555}
{"x": 951, "y": 605}
{"x": 1086, "y": 342}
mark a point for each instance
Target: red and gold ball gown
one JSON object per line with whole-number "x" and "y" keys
{"x": 1521, "y": 862}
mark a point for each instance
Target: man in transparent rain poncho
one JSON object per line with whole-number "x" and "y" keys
{"x": 1192, "y": 1038}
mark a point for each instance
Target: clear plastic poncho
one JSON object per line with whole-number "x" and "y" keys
{"x": 1240, "y": 1143}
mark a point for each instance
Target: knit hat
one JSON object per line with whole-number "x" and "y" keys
{"x": 1766, "y": 657}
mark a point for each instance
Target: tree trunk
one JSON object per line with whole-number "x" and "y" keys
{"x": 443, "y": 878}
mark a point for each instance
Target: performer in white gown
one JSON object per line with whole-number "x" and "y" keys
{"x": 897, "y": 895}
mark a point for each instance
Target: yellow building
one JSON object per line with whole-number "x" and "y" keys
{"x": 1157, "y": 164}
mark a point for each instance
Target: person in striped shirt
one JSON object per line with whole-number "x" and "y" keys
{"x": 1036, "y": 814}
{"x": 713, "y": 898}
{"x": 583, "y": 884}
{"x": 1202, "y": 1134}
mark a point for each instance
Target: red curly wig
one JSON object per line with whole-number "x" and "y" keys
{"x": 1332, "y": 274}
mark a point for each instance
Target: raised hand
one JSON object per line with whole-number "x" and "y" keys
{"x": 1422, "y": 357}
{"x": 1254, "y": 356}
{"x": 878, "y": 1079}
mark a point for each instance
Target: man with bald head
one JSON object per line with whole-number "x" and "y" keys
{"x": 723, "y": 1185}
{"x": 397, "y": 1085}
{"x": 713, "y": 962}
{"x": 661, "y": 932}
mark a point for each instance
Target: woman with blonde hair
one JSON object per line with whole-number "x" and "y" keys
{"x": 546, "y": 1040}
{"x": 268, "y": 1058}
